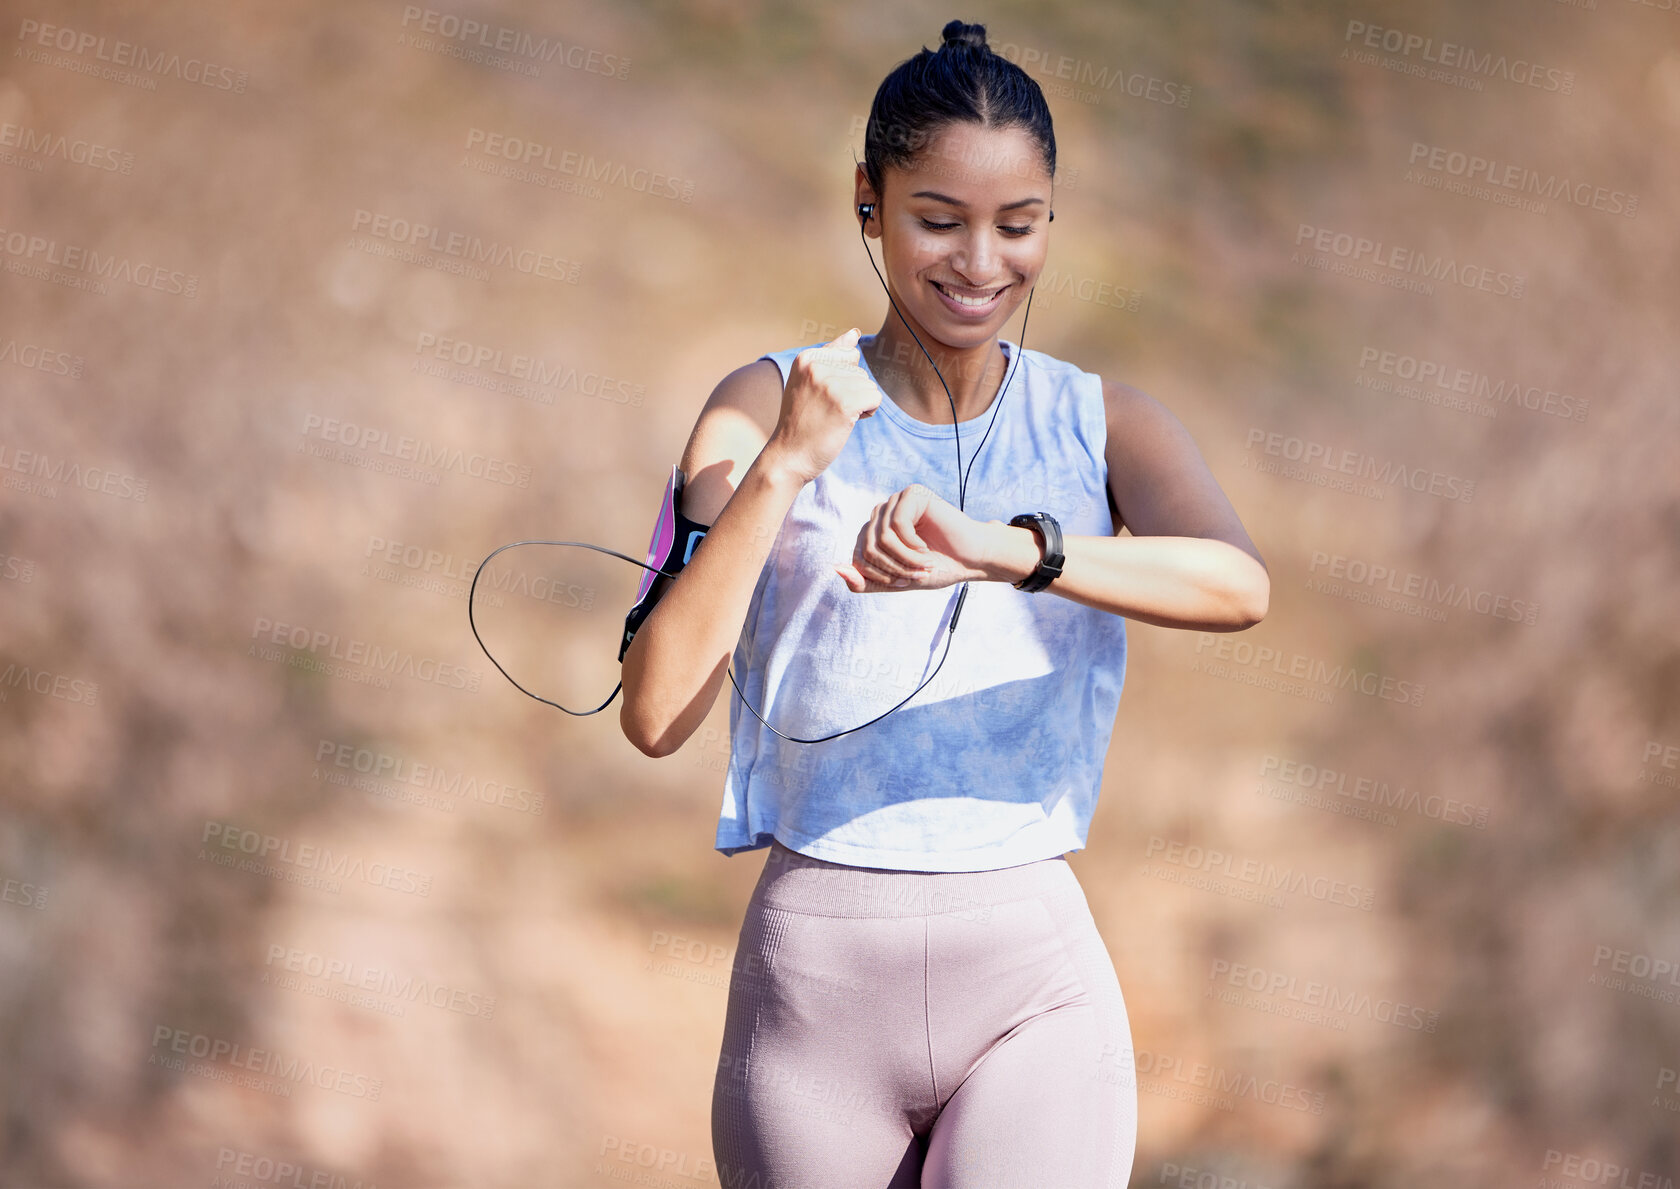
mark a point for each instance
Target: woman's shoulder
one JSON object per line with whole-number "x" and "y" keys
{"x": 754, "y": 388}
{"x": 1065, "y": 373}
{"x": 780, "y": 361}
{"x": 732, "y": 427}
{"x": 1117, "y": 395}
{"x": 1099, "y": 397}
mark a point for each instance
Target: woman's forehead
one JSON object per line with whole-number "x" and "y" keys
{"x": 967, "y": 165}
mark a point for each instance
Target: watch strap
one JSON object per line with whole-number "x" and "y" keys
{"x": 1050, "y": 564}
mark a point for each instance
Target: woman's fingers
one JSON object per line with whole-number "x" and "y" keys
{"x": 873, "y": 558}
{"x": 889, "y": 534}
{"x": 890, "y": 554}
{"x": 904, "y": 510}
{"x": 863, "y": 580}
{"x": 876, "y": 571}
{"x": 886, "y": 557}
{"x": 884, "y": 545}
{"x": 862, "y": 583}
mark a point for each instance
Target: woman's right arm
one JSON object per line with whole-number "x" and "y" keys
{"x": 678, "y": 659}
{"x": 756, "y": 443}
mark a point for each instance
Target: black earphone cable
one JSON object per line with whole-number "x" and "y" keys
{"x": 498, "y": 664}
{"x": 864, "y": 209}
{"x": 962, "y": 485}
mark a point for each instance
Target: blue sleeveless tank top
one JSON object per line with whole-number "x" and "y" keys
{"x": 999, "y": 761}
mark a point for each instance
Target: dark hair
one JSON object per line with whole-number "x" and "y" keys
{"x": 963, "y": 81}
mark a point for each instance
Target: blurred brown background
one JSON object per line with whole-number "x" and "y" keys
{"x": 298, "y": 889}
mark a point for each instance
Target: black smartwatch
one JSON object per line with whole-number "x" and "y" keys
{"x": 1050, "y": 567}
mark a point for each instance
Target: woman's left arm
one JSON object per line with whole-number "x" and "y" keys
{"x": 1188, "y": 562}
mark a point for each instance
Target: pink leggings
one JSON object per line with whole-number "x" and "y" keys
{"x": 950, "y": 1030}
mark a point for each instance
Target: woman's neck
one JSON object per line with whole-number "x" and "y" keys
{"x": 974, "y": 375}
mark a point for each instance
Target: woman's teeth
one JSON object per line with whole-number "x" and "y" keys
{"x": 961, "y": 299}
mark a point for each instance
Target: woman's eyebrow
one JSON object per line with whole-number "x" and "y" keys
{"x": 957, "y": 202}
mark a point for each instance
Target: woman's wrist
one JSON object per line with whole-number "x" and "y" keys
{"x": 1015, "y": 554}
{"x": 773, "y": 465}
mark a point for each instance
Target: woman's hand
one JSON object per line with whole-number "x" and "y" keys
{"x": 826, "y": 394}
{"x": 916, "y": 541}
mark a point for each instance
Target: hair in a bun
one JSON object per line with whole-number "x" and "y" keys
{"x": 965, "y": 81}
{"x": 960, "y": 33}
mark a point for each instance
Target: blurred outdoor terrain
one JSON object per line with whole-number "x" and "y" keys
{"x": 250, "y": 470}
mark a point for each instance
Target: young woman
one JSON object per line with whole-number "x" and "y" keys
{"x": 920, "y": 995}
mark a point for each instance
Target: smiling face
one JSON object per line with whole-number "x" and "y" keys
{"x": 963, "y": 230}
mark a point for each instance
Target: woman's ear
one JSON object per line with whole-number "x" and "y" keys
{"x": 865, "y": 201}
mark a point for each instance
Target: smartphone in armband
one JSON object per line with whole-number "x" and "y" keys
{"x": 675, "y": 537}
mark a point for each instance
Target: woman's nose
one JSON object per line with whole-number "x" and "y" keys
{"x": 977, "y": 259}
